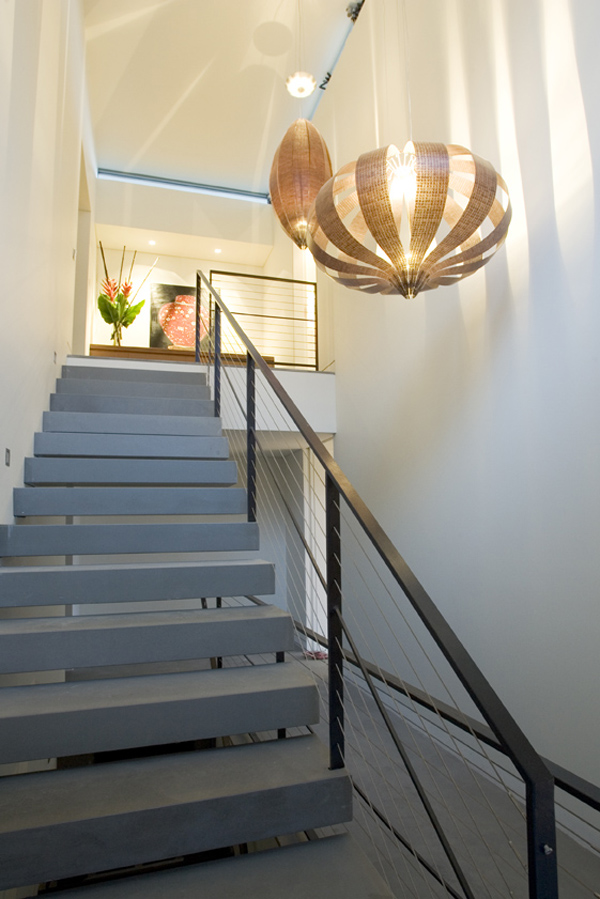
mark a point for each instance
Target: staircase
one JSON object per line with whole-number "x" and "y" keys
{"x": 150, "y": 721}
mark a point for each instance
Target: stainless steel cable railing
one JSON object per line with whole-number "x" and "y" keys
{"x": 449, "y": 791}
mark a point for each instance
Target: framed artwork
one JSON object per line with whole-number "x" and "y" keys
{"x": 173, "y": 316}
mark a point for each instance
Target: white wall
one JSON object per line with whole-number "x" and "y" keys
{"x": 41, "y": 100}
{"x": 468, "y": 418}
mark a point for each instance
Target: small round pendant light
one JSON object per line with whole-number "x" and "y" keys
{"x": 300, "y": 84}
{"x": 396, "y": 222}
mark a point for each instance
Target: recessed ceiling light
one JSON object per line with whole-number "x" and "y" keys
{"x": 217, "y": 250}
{"x": 152, "y": 243}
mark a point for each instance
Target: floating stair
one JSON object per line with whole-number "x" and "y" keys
{"x": 170, "y": 695}
{"x": 296, "y": 872}
{"x": 70, "y": 822}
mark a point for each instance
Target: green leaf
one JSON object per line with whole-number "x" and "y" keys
{"x": 121, "y": 304}
{"x": 131, "y": 314}
{"x": 107, "y": 309}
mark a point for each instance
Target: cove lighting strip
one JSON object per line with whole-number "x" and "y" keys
{"x": 190, "y": 186}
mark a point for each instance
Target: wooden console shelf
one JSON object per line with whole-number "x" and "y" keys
{"x": 163, "y": 354}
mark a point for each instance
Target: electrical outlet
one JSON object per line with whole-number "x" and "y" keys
{"x": 7, "y": 456}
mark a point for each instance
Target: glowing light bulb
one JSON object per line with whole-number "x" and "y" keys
{"x": 402, "y": 174}
{"x": 301, "y": 84}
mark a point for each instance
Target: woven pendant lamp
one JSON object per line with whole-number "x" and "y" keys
{"x": 396, "y": 222}
{"x": 301, "y": 166}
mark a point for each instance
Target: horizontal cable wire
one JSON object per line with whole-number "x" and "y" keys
{"x": 284, "y": 470}
{"x": 473, "y": 829}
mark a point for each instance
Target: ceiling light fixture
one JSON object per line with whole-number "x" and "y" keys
{"x": 152, "y": 243}
{"x": 301, "y": 166}
{"x": 218, "y": 250}
{"x": 405, "y": 222}
{"x": 300, "y": 84}
{"x": 396, "y": 222}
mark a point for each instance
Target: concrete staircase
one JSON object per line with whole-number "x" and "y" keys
{"x": 138, "y": 686}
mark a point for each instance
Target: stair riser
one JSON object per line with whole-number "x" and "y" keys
{"x": 92, "y": 387}
{"x": 100, "y": 373}
{"x": 84, "y": 641}
{"x": 124, "y": 405}
{"x": 33, "y": 501}
{"x": 108, "y": 539}
{"x": 80, "y": 584}
{"x": 56, "y": 735}
{"x": 40, "y": 471}
{"x": 69, "y": 849}
{"x": 141, "y": 446}
{"x": 108, "y": 423}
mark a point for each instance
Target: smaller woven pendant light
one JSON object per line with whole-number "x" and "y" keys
{"x": 301, "y": 166}
{"x": 396, "y": 222}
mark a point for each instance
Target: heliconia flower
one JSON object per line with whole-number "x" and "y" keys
{"x": 126, "y": 288}
{"x": 109, "y": 287}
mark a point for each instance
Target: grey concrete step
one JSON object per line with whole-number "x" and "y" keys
{"x": 125, "y": 405}
{"x": 141, "y": 446}
{"x": 54, "y": 720}
{"x": 49, "y": 585}
{"x": 47, "y": 471}
{"x": 64, "y": 823}
{"x": 106, "y": 539}
{"x": 334, "y": 866}
{"x": 93, "y": 387}
{"x": 81, "y": 641}
{"x": 129, "y": 501}
{"x": 113, "y": 373}
{"x": 117, "y": 423}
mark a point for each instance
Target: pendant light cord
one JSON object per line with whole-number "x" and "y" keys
{"x": 406, "y": 67}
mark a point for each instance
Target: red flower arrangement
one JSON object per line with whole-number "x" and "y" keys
{"x": 113, "y": 302}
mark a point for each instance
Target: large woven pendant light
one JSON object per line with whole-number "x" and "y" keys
{"x": 396, "y": 222}
{"x": 301, "y": 166}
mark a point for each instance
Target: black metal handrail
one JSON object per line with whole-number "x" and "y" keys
{"x": 539, "y": 781}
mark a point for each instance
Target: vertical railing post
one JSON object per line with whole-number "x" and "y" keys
{"x": 541, "y": 840}
{"x": 251, "y": 435}
{"x": 334, "y": 624}
{"x": 217, "y": 360}
{"x": 198, "y": 314}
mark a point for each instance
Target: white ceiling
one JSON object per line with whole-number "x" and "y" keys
{"x": 195, "y": 89}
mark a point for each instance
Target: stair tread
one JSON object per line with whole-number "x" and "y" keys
{"x": 296, "y": 872}
{"x": 155, "y": 689}
{"x": 137, "y": 405}
{"x": 42, "y": 471}
{"x": 39, "y": 585}
{"x": 68, "y": 822}
{"x": 133, "y": 373}
{"x": 133, "y": 638}
{"x": 121, "y": 423}
{"x": 32, "y": 501}
{"x": 142, "y": 388}
{"x": 104, "y": 791}
{"x": 139, "y": 445}
{"x": 15, "y": 627}
{"x": 98, "y": 539}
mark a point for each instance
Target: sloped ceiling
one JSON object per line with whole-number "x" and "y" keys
{"x": 195, "y": 89}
